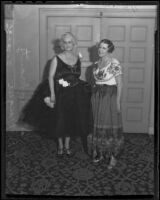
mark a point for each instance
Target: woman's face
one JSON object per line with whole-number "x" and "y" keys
{"x": 103, "y": 49}
{"x": 68, "y": 43}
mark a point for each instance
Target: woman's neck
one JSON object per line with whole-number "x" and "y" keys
{"x": 105, "y": 59}
{"x": 68, "y": 53}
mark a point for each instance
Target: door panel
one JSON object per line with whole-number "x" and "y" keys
{"x": 134, "y": 42}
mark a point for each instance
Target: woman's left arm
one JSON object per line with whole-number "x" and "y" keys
{"x": 119, "y": 91}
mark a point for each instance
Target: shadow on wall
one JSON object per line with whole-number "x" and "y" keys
{"x": 93, "y": 53}
{"x": 93, "y": 56}
{"x": 56, "y": 46}
{"x": 56, "y": 49}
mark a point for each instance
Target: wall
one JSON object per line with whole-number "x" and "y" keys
{"x": 10, "y": 67}
{"x": 151, "y": 119}
{"x": 22, "y": 31}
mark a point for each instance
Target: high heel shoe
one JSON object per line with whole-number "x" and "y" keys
{"x": 97, "y": 159}
{"x": 68, "y": 151}
{"x": 112, "y": 163}
{"x": 60, "y": 151}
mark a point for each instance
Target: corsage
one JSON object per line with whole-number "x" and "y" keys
{"x": 63, "y": 82}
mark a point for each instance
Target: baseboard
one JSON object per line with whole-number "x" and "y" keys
{"x": 23, "y": 129}
{"x": 151, "y": 130}
{"x": 18, "y": 128}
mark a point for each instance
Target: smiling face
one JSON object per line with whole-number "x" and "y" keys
{"x": 103, "y": 49}
{"x": 68, "y": 43}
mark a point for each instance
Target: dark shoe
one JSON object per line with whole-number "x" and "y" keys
{"x": 112, "y": 163}
{"x": 68, "y": 152}
{"x": 97, "y": 159}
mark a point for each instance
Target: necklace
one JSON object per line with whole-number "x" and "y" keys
{"x": 70, "y": 58}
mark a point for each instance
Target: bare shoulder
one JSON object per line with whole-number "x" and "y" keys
{"x": 54, "y": 61}
{"x": 54, "y": 58}
{"x": 115, "y": 61}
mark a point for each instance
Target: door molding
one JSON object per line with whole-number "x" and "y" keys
{"x": 102, "y": 12}
{"x": 129, "y": 12}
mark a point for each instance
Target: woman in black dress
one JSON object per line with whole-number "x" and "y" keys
{"x": 61, "y": 104}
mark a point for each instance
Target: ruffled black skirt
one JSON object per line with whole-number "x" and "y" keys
{"x": 71, "y": 115}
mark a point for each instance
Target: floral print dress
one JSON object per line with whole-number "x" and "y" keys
{"x": 106, "y": 136}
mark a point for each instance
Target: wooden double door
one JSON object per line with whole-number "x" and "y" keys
{"x": 134, "y": 41}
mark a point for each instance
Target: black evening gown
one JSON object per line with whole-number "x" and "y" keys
{"x": 71, "y": 115}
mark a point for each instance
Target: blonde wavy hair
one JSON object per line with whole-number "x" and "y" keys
{"x": 74, "y": 40}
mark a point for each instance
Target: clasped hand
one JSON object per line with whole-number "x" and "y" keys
{"x": 50, "y": 101}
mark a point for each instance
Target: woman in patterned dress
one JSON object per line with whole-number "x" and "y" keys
{"x": 61, "y": 105}
{"x": 106, "y": 139}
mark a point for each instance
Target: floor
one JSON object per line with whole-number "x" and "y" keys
{"x": 33, "y": 168}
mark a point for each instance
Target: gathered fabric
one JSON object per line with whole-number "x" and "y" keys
{"x": 71, "y": 113}
{"x": 107, "y": 134}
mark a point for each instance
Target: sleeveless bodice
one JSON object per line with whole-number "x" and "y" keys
{"x": 70, "y": 73}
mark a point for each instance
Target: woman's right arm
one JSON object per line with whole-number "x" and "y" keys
{"x": 52, "y": 72}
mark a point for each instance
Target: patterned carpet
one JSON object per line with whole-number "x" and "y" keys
{"x": 33, "y": 168}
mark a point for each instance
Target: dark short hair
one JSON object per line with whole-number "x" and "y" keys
{"x": 110, "y": 45}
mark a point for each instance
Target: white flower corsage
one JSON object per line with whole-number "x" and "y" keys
{"x": 80, "y": 55}
{"x": 48, "y": 102}
{"x": 63, "y": 82}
